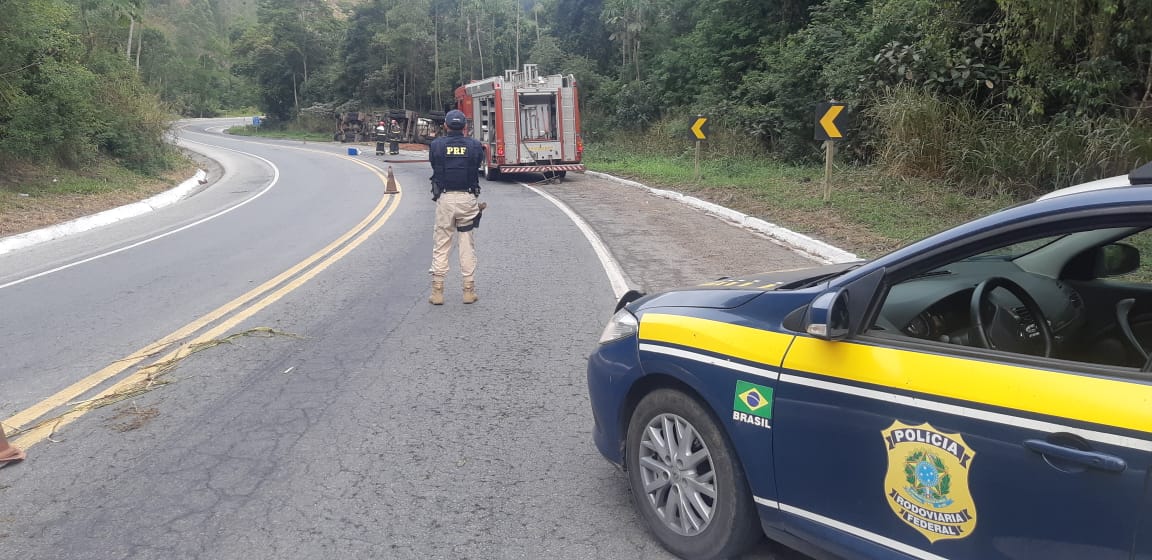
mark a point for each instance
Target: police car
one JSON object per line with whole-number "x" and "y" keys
{"x": 985, "y": 393}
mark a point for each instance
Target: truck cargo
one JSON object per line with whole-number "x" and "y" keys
{"x": 353, "y": 126}
{"x": 528, "y": 123}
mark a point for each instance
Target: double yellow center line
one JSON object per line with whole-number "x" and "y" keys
{"x": 223, "y": 318}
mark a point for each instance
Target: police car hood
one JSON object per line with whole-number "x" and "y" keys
{"x": 734, "y": 291}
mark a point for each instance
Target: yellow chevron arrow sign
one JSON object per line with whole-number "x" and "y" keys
{"x": 829, "y": 121}
{"x": 699, "y": 131}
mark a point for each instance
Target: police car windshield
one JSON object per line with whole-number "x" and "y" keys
{"x": 1015, "y": 250}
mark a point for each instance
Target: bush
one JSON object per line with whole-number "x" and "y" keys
{"x": 133, "y": 123}
{"x": 53, "y": 116}
{"x": 987, "y": 151}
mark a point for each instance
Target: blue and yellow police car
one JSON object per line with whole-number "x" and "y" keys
{"x": 985, "y": 393}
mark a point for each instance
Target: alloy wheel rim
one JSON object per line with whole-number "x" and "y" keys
{"x": 678, "y": 474}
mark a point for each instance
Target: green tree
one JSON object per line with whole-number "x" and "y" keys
{"x": 1082, "y": 57}
{"x": 67, "y": 95}
{"x": 287, "y": 45}
{"x": 580, "y": 30}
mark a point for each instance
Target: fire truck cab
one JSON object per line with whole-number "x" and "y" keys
{"x": 528, "y": 123}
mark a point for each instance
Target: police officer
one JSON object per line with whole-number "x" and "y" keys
{"x": 456, "y": 160}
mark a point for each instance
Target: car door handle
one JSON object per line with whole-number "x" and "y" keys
{"x": 1091, "y": 459}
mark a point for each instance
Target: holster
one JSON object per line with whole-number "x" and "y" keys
{"x": 475, "y": 221}
{"x": 436, "y": 190}
{"x": 480, "y": 214}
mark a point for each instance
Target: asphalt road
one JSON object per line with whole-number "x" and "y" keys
{"x": 331, "y": 412}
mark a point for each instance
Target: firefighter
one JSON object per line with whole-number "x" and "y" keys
{"x": 455, "y": 159}
{"x": 394, "y": 137}
{"x": 381, "y": 135}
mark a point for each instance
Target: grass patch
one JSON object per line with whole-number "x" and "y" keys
{"x": 34, "y": 196}
{"x": 104, "y": 176}
{"x": 271, "y": 132}
{"x": 869, "y": 212}
{"x": 241, "y": 112}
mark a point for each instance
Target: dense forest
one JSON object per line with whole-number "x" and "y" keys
{"x": 986, "y": 94}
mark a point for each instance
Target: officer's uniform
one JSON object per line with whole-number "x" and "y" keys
{"x": 455, "y": 159}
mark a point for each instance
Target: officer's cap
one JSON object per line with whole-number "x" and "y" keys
{"x": 455, "y": 120}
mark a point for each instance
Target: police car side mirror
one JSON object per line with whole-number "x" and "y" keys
{"x": 1116, "y": 259}
{"x": 828, "y": 316}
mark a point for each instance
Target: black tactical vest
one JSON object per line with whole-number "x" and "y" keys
{"x": 456, "y": 161}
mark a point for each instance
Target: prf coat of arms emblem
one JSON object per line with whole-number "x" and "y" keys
{"x": 927, "y": 481}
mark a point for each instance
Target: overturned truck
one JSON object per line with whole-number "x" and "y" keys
{"x": 417, "y": 128}
{"x": 354, "y": 126}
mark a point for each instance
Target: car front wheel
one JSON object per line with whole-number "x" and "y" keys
{"x": 685, "y": 479}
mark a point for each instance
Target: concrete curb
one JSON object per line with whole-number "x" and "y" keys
{"x": 797, "y": 241}
{"x": 167, "y": 198}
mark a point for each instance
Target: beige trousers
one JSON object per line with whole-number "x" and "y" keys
{"x": 455, "y": 209}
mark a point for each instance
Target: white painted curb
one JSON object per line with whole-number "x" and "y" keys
{"x": 797, "y": 241}
{"x": 167, "y": 198}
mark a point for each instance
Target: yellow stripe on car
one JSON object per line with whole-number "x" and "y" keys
{"x": 745, "y": 343}
{"x": 1109, "y": 402}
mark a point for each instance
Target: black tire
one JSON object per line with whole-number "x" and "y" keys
{"x": 734, "y": 525}
{"x": 490, "y": 173}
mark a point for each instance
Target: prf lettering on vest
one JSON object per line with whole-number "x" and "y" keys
{"x": 457, "y": 150}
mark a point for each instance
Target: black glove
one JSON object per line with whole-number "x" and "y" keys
{"x": 436, "y": 190}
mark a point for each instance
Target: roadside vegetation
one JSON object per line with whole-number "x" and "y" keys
{"x": 285, "y": 132}
{"x": 33, "y": 196}
{"x": 868, "y": 211}
{"x": 959, "y": 106}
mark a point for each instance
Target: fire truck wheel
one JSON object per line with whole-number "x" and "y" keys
{"x": 490, "y": 173}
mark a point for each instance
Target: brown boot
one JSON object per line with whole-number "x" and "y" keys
{"x": 437, "y": 297}
{"x": 470, "y": 292}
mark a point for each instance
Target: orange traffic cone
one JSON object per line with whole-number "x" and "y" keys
{"x": 8, "y": 454}
{"x": 391, "y": 189}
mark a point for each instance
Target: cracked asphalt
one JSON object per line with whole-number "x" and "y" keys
{"x": 385, "y": 427}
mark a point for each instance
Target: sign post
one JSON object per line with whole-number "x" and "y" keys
{"x": 829, "y": 123}
{"x": 696, "y": 175}
{"x": 829, "y": 156}
{"x": 700, "y": 134}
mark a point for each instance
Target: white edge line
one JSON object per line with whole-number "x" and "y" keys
{"x": 1027, "y": 423}
{"x": 275, "y": 179}
{"x": 797, "y": 241}
{"x": 711, "y": 360}
{"x": 611, "y": 267}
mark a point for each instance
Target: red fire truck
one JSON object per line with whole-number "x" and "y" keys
{"x": 528, "y": 123}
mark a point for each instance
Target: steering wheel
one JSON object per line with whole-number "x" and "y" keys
{"x": 1006, "y": 330}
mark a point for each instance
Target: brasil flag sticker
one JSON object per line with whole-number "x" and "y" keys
{"x": 752, "y": 399}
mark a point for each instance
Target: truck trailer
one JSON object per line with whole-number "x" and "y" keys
{"x": 528, "y": 123}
